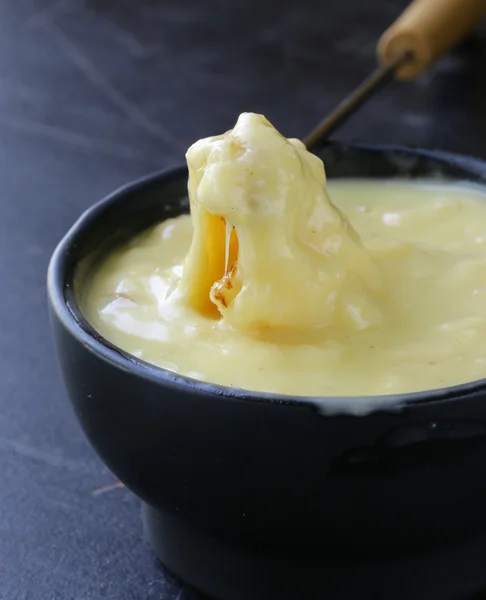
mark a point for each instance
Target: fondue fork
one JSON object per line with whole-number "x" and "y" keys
{"x": 421, "y": 34}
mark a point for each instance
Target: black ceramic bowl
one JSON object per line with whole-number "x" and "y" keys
{"x": 253, "y": 496}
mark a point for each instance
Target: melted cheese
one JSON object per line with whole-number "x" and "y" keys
{"x": 294, "y": 261}
{"x": 269, "y": 287}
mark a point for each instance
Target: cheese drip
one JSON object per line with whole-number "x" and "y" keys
{"x": 270, "y": 249}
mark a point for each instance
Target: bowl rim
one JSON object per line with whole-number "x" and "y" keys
{"x": 63, "y": 305}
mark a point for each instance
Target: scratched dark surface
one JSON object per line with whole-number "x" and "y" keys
{"x": 97, "y": 92}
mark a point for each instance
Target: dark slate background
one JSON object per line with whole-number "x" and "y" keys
{"x": 94, "y": 93}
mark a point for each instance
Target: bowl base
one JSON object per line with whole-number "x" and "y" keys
{"x": 231, "y": 573}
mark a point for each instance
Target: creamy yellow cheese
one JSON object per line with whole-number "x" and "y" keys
{"x": 296, "y": 261}
{"x": 312, "y": 308}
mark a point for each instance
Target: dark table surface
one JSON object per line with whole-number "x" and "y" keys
{"x": 95, "y": 93}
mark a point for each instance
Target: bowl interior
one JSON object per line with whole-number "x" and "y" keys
{"x": 135, "y": 207}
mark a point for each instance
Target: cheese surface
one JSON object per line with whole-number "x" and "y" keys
{"x": 271, "y": 286}
{"x": 292, "y": 259}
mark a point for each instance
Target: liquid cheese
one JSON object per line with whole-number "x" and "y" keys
{"x": 268, "y": 287}
{"x": 293, "y": 259}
